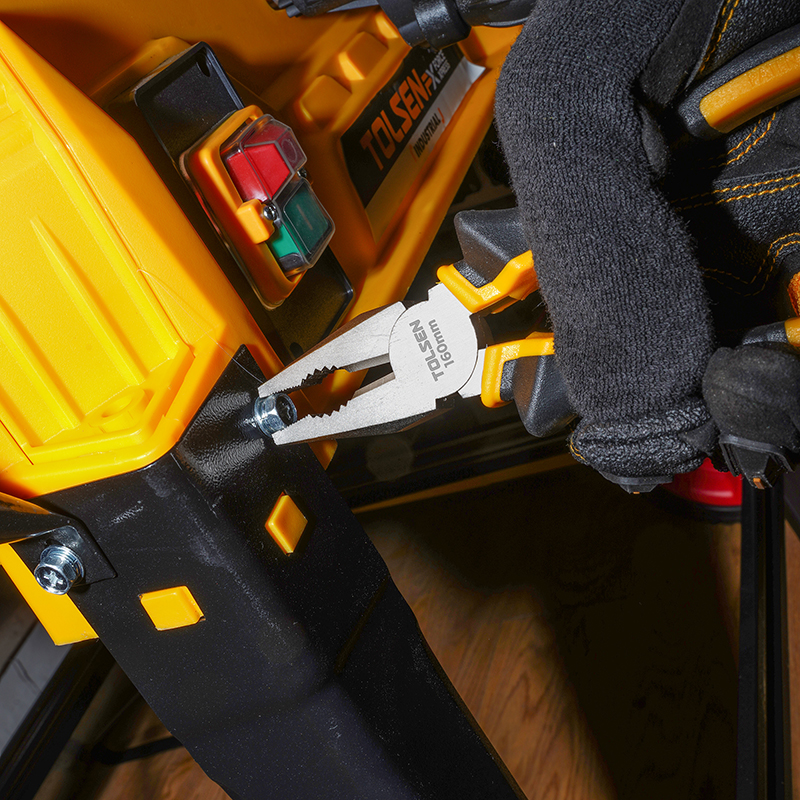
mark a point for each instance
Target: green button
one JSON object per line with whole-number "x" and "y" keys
{"x": 307, "y": 218}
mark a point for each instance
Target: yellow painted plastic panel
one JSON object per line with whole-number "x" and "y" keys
{"x": 114, "y": 320}
{"x": 171, "y": 608}
{"x": 58, "y": 614}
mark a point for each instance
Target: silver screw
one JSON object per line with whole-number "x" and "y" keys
{"x": 270, "y": 211}
{"x": 274, "y": 413}
{"x": 58, "y": 570}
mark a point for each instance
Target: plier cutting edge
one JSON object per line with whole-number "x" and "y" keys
{"x": 436, "y": 348}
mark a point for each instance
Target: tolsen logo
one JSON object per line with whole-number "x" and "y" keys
{"x": 392, "y": 125}
{"x": 433, "y": 348}
{"x": 404, "y": 114}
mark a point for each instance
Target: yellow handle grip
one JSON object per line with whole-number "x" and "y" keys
{"x": 537, "y": 344}
{"x": 515, "y": 282}
{"x": 754, "y": 91}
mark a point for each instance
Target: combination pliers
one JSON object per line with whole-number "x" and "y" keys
{"x": 437, "y": 349}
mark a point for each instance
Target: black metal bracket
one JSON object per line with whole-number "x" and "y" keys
{"x": 31, "y": 528}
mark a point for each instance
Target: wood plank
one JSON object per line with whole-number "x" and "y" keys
{"x": 597, "y": 661}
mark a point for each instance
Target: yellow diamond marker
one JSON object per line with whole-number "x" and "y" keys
{"x": 286, "y": 523}
{"x": 171, "y": 608}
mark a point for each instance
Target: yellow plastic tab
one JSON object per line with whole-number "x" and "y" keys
{"x": 324, "y": 450}
{"x": 255, "y": 226}
{"x": 753, "y": 92}
{"x": 515, "y": 282}
{"x": 361, "y": 55}
{"x": 286, "y": 523}
{"x": 171, "y": 608}
{"x": 537, "y": 344}
{"x": 322, "y": 100}
{"x": 57, "y": 613}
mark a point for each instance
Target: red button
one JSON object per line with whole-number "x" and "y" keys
{"x": 262, "y": 158}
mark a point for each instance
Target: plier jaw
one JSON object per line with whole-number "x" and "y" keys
{"x": 359, "y": 344}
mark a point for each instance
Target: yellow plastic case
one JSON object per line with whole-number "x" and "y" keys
{"x": 115, "y": 321}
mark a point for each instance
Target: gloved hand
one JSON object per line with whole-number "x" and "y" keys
{"x": 644, "y": 252}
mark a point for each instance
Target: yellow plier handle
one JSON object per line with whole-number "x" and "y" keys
{"x": 514, "y": 282}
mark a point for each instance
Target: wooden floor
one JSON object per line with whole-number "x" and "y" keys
{"x": 592, "y": 634}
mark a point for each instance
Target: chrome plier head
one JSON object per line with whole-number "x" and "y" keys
{"x": 434, "y": 349}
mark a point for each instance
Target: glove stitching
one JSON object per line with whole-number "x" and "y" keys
{"x": 752, "y": 144}
{"x": 680, "y": 207}
{"x": 716, "y": 159}
{"x": 718, "y": 33}
{"x": 795, "y": 235}
{"x": 576, "y": 453}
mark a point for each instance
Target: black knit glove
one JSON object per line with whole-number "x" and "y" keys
{"x": 615, "y": 219}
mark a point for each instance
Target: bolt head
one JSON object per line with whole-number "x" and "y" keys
{"x": 274, "y": 413}
{"x": 58, "y": 570}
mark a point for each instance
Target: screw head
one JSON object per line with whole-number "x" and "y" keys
{"x": 270, "y": 211}
{"x": 58, "y": 570}
{"x": 274, "y": 413}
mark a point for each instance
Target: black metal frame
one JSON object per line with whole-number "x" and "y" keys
{"x": 764, "y": 744}
{"x": 308, "y": 673}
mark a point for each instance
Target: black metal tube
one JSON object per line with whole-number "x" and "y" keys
{"x": 763, "y": 752}
{"x": 779, "y": 774}
{"x": 41, "y": 737}
{"x": 750, "y": 758}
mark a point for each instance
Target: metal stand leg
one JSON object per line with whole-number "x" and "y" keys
{"x": 307, "y": 676}
{"x": 764, "y": 753}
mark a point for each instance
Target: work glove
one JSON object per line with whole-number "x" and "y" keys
{"x": 651, "y": 247}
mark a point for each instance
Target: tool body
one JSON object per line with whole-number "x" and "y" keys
{"x": 436, "y": 349}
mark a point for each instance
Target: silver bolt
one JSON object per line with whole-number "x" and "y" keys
{"x": 58, "y": 570}
{"x": 274, "y": 413}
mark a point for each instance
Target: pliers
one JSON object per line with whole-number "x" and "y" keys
{"x": 436, "y": 349}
